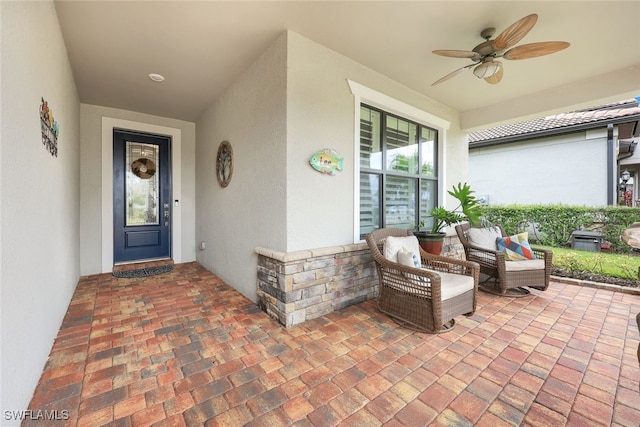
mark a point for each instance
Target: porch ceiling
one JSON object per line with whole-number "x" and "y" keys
{"x": 201, "y": 47}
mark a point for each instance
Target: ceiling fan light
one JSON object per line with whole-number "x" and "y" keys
{"x": 486, "y": 69}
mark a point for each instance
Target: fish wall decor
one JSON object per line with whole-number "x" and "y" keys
{"x": 327, "y": 161}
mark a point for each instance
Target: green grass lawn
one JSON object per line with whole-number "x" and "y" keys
{"x": 609, "y": 264}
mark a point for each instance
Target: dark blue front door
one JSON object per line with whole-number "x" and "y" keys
{"x": 141, "y": 196}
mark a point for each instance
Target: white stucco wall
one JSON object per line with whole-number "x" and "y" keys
{"x": 93, "y": 211}
{"x": 293, "y": 101}
{"x": 40, "y": 196}
{"x": 569, "y": 169}
{"x": 251, "y": 210}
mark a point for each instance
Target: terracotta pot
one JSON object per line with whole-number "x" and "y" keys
{"x": 430, "y": 242}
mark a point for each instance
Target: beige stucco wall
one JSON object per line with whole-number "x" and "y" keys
{"x": 93, "y": 210}
{"x": 294, "y": 100}
{"x": 40, "y": 201}
{"x": 321, "y": 114}
{"x": 251, "y": 210}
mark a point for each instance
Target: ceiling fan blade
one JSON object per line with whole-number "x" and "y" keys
{"x": 532, "y": 50}
{"x": 452, "y": 74}
{"x": 497, "y": 76}
{"x": 515, "y": 32}
{"x": 457, "y": 54}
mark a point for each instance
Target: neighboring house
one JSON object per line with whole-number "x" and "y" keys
{"x": 574, "y": 158}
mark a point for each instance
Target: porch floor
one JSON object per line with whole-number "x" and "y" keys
{"x": 184, "y": 348}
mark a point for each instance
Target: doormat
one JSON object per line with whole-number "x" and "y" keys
{"x": 143, "y": 272}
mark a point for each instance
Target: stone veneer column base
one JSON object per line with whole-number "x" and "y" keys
{"x": 297, "y": 286}
{"x": 452, "y": 247}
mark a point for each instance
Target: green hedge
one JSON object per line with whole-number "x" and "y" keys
{"x": 554, "y": 223}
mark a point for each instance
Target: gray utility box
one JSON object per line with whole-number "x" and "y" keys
{"x": 586, "y": 240}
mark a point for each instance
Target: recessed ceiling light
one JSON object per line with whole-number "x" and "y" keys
{"x": 156, "y": 77}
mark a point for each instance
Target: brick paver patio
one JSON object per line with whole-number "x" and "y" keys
{"x": 183, "y": 348}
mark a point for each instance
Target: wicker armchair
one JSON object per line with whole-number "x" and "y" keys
{"x": 507, "y": 277}
{"x": 413, "y": 297}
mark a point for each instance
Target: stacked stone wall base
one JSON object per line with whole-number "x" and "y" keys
{"x": 294, "y": 287}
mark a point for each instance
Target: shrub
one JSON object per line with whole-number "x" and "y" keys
{"x": 552, "y": 225}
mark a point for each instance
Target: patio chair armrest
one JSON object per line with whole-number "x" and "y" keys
{"x": 542, "y": 251}
{"x": 448, "y": 265}
{"x": 486, "y": 257}
{"x": 418, "y": 281}
{"x": 545, "y": 254}
{"x": 483, "y": 249}
{"x": 404, "y": 270}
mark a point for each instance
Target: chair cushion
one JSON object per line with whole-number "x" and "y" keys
{"x": 394, "y": 244}
{"x": 528, "y": 264}
{"x": 408, "y": 258}
{"x": 516, "y": 247}
{"x": 484, "y": 237}
{"x": 452, "y": 284}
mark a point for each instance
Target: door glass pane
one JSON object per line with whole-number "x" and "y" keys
{"x": 428, "y": 146}
{"x": 370, "y": 150}
{"x": 142, "y": 188}
{"x": 369, "y": 203}
{"x": 402, "y": 145}
{"x": 400, "y": 202}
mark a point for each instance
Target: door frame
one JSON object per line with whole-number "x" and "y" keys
{"x": 108, "y": 125}
{"x": 149, "y": 240}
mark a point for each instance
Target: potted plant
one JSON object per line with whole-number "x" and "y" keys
{"x": 468, "y": 209}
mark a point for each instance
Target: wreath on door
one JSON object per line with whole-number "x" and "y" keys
{"x": 143, "y": 168}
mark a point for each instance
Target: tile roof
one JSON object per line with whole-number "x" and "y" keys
{"x": 563, "y": 122}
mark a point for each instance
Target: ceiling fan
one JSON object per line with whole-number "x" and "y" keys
{"x": 484, "y": 55}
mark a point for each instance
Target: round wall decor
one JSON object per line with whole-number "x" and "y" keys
{"x": 143, "y": 168}
{"x": 224, "y": 163}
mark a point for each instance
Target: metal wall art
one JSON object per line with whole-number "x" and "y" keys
{"x": 326, "y": 161}
{"x": 224, "y": 163}
{"x": 49, "y": 128}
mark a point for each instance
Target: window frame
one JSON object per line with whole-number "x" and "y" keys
{"x": 370, "y": 97}
{"x": 386, "y": 173}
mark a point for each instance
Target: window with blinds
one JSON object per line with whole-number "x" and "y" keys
{"x": 398, "y": 171}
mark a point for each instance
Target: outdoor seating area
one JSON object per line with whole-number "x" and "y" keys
{"x": 528, "y": 267}
{"x": 185, "y": 349}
